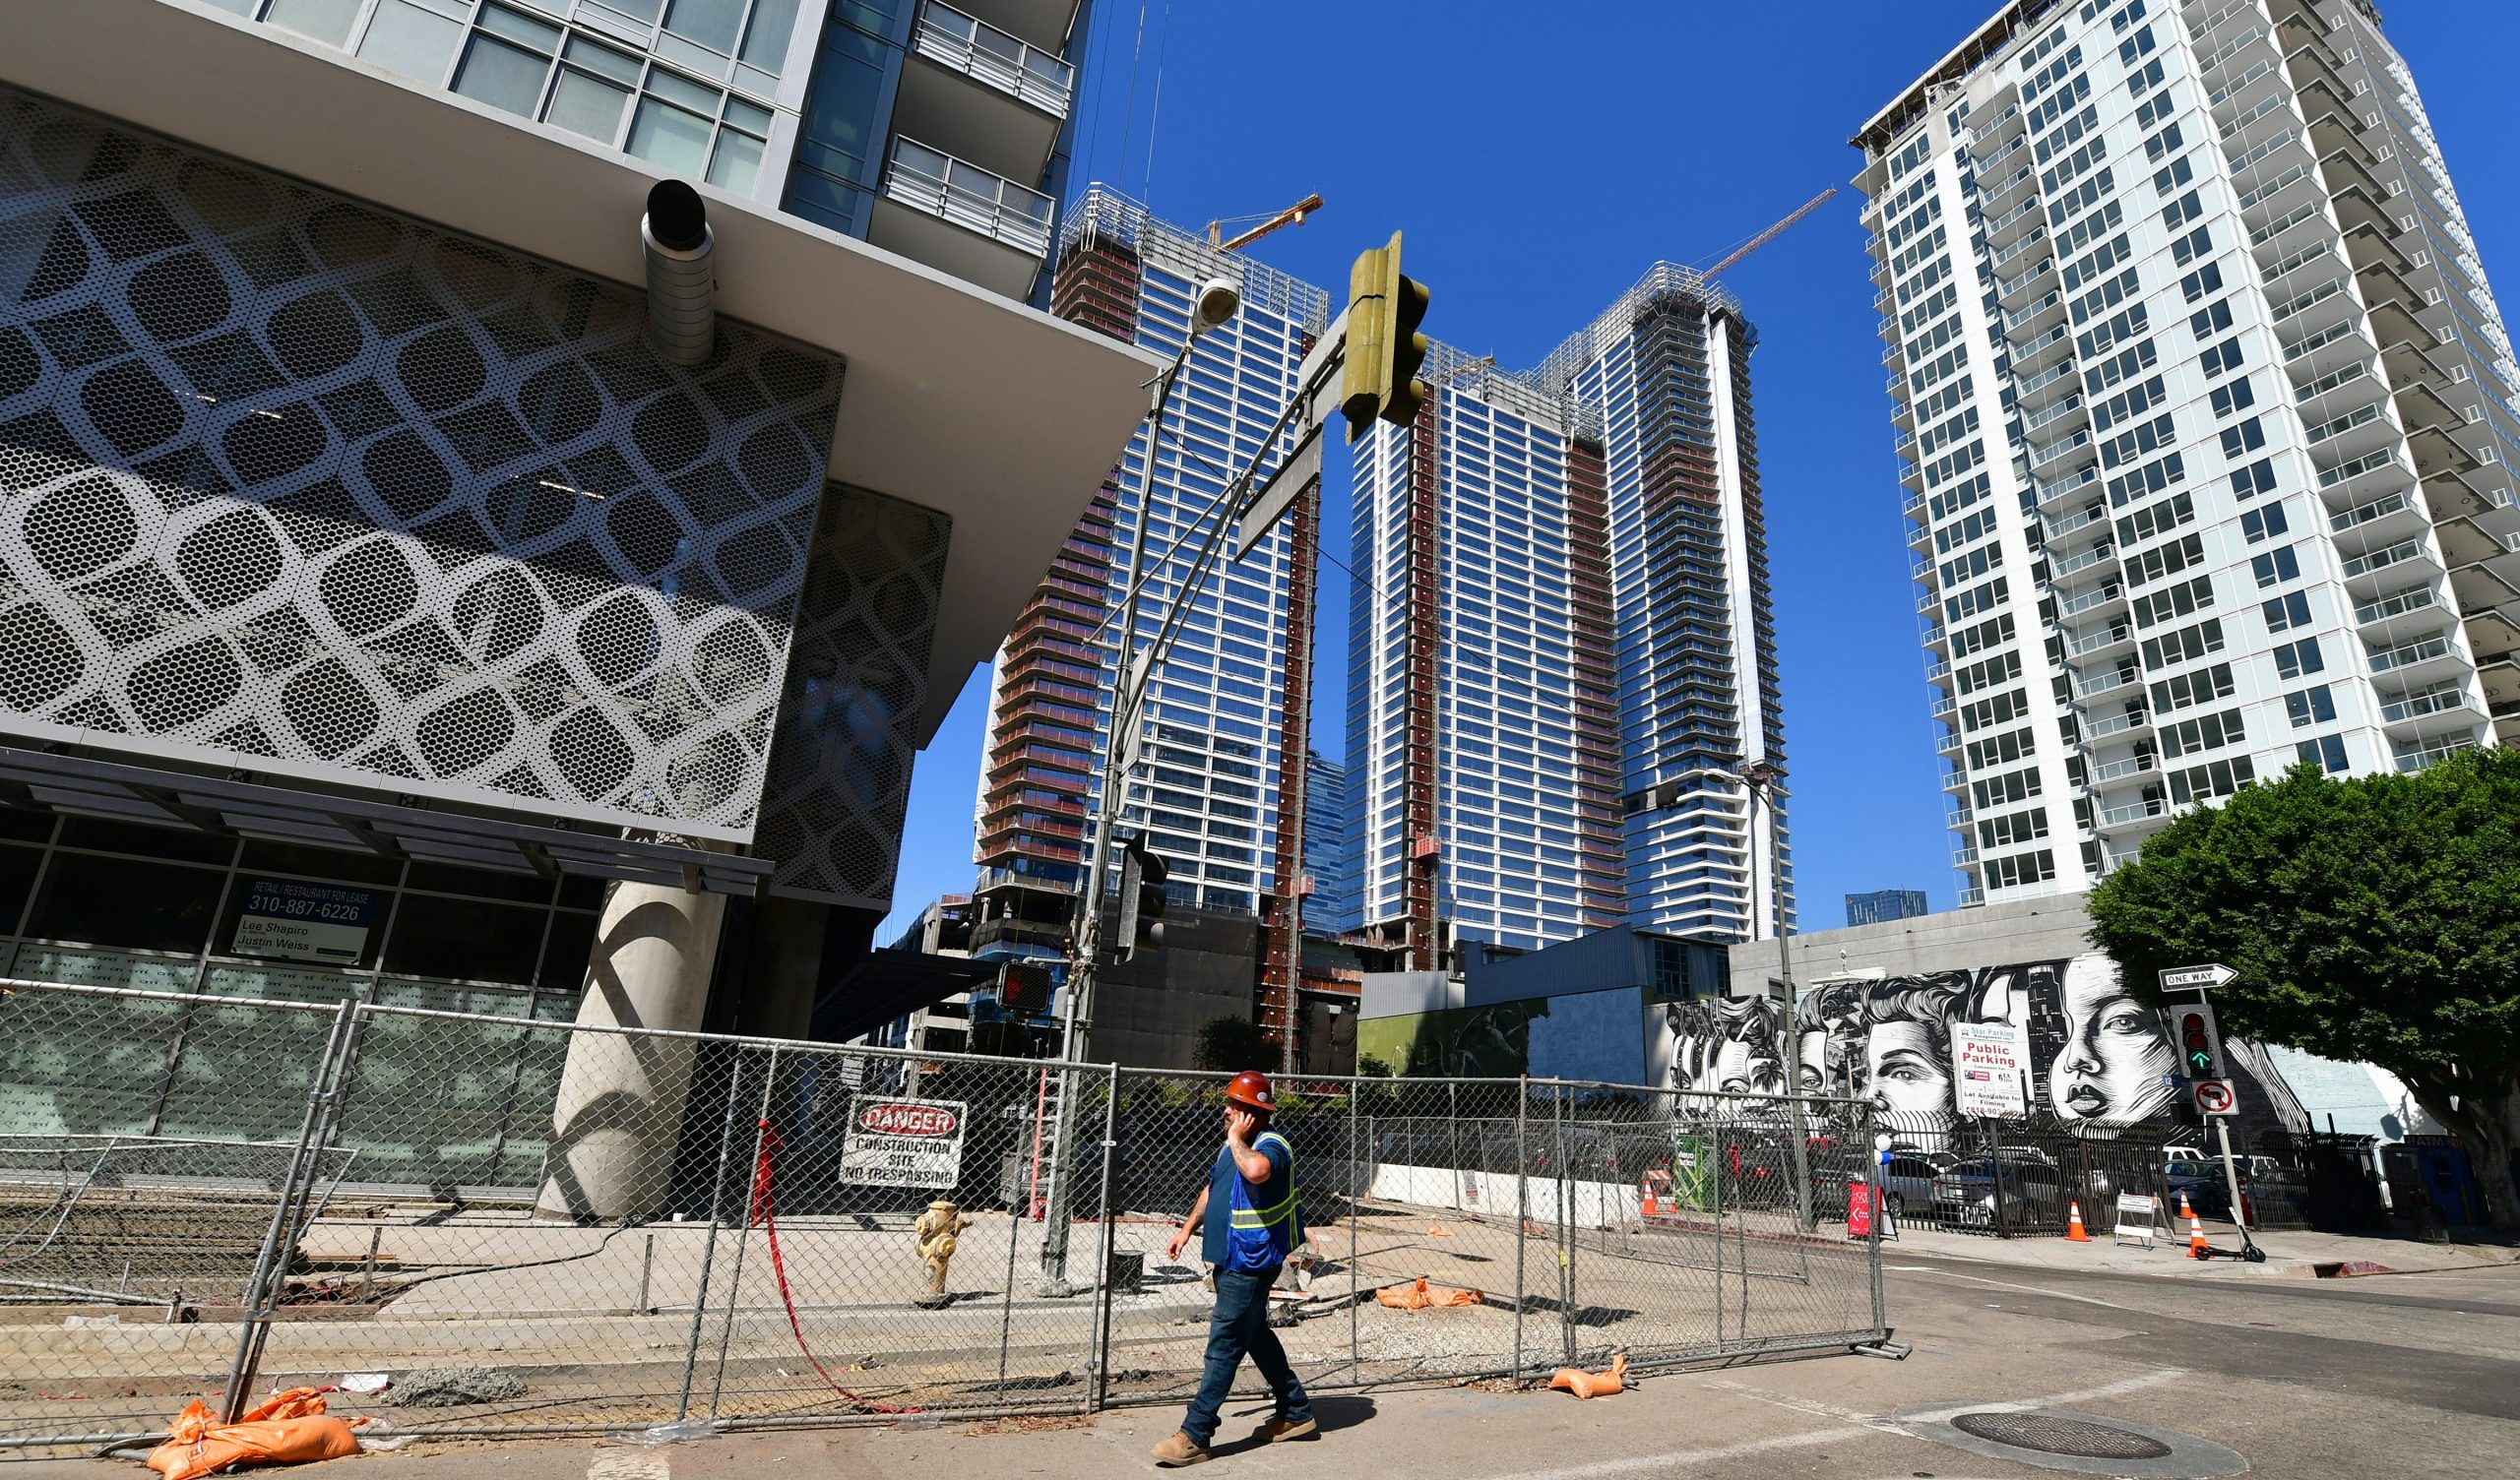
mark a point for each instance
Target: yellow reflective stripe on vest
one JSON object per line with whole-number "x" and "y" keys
{"x": 1279, "y": 1212}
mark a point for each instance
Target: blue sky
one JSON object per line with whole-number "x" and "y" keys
{"x": 1540, "y": 159}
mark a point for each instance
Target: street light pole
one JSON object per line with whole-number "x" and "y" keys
{"x": 1132, "y": 676}
{"x": 1761, "y": 779}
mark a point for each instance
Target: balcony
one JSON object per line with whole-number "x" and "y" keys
{"x": 2423, "y": 601}
{"x": 2077, "y": 564}
{"x": 2117, "y": 724}
{"x": 2108, "y": 681}
{"x": 2119, "y": 770}
{"x": 2059, "y": 525}
{"x": 2092, "y": 600}
{"x": 964, "y": 219}
{"x": 1046, "y": 23}
{"x": 2423, "y": 704}
{"x": 2102, "y": 640}
{"x": 2424, "y": 654}
{"x": 2133, "y": 812}
{"x": 983, "y": 95}
{"x": 2389, "y": 557}
{"x": 2420, "y": 756}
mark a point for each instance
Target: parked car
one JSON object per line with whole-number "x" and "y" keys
{"x": 1907, "y": 1182}
{"x": 1966, "y": 1194}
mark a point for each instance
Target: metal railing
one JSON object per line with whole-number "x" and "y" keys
{"x": 934, "y": 181}
{"x": 616, "y": 1228}
{"x": 972, "y": 46}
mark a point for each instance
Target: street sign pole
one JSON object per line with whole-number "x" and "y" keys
{"x": 2201, "y": 979}
{"x": 1134, "y": 674}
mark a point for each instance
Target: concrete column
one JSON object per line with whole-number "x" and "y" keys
{"x": 784, "y": 971}
{"x": 619, "y": 1111}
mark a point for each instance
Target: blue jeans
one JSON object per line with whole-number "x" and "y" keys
{"x": 1240, "y": 1326}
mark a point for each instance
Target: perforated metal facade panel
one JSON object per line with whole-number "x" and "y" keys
{"x": 840, "y": 775}
{"x": 294, "y": 484}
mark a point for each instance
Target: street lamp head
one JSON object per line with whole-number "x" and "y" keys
{"x": 1761, "y": 772}
{"x": 1220, "y": 299}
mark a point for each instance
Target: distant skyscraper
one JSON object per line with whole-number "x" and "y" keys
{"x": 1219, "y": 728}
{"x": 1329, "y": 849}
{"x": 1560, "y": 620}
{"x": 1885, "y": 904}
{"x": 2206, "y": 417}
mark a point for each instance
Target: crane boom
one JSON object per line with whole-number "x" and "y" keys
{"x": 1293, "y": 215}
{"x": 1773, "y": 232}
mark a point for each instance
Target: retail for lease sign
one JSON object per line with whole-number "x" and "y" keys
{"x": 285, "y": 920}
{"x": 1989, "y": 1069}
{"x": 901, "y": 1143}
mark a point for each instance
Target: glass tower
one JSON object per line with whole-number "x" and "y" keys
{"x": 1560, "y": 643}
{"x": 936, "y": 132}
{"x": 1205, "y": 792}
{"x": 2205, "y": 418}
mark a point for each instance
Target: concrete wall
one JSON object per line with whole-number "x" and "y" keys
{"x": 2050, "y": 928}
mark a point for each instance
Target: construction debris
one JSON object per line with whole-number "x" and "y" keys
{"x": 454, "y": 1387}
{"x": 1420, "y": 1296}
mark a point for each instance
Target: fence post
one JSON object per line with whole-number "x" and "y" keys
{"x": 1102, "y": 1341}
{"x": 708, "y": 1258}
{"x": 743, "y": 1236}
{"x": 1715, "y": 1215}
{"x": 1872, "y": 1161}
{"x": 270, "y": 1264}
{"x": 1458, "y": 1205}
{"x": 1522, "y": 1210}
{"x": 1356, "y": 1188}
{"x": 1566, "y": 1232}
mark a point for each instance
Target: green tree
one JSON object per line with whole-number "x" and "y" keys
{"x": 2375, "y": 918}
{"x": 1232, "y": 1045}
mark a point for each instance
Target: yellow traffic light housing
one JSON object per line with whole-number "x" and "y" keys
{"x": 1384, "y": 345}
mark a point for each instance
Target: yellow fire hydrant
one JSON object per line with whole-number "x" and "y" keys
{"x": 937, "y": 1232}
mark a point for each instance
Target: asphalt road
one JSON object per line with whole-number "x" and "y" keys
{"x": 2397, "y": 1376}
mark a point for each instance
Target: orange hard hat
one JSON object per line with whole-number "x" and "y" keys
{"x": 1250, "y": 1088}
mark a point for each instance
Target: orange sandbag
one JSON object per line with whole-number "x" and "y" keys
{"x": 1419, "y": 1296}
{"x": 288, "y": 1429}
{"x": 1584, "y": 1384}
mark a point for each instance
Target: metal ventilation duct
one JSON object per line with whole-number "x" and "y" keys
{"x": 675, "y": 238}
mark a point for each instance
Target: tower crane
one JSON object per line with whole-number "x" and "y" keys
{"x": 1772, "y": 233}
{"x": 1293, "y": 215}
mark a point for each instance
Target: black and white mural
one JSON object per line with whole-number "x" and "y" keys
{"x": 2099, "y": 1058}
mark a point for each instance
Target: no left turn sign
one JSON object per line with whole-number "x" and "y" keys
{"x": 2215, "y": 1097}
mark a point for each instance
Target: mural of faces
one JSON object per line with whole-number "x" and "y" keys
{"x": 2115, "y": 1052}
{"x": 1724, "y": 1047}
{"x": 2098, "y": 1056}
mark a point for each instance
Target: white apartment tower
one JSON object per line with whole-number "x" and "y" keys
{"x": 2205, "y": 415}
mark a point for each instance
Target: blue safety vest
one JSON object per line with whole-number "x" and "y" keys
{"x": 1262, "y": 1222}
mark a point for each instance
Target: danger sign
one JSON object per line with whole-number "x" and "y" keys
{"x": 898, "y": 1142}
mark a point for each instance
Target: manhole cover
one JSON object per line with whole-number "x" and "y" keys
{"x": 2050, "y": 1435}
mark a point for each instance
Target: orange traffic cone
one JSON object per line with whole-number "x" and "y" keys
{"x": 2075, "y": 1230}
{"x": 2185, "y": 1211}
{"x": 2197, "y": 1245}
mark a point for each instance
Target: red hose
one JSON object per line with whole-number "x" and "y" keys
{"x": 760, "y": 1214}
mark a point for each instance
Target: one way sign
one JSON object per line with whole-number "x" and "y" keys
{"x": 2196, "y": 978}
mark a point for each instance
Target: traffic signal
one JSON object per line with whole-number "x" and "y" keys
{"x": 1023, "y": 987}
{"x": 2200, "y": 1043}
{"x": 1384, "y": 346}
{"x": 1142, "y": 900}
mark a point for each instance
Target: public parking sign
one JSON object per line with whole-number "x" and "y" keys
{"x": 2214, "y": 1097}
{"x": 901, "y": 1143}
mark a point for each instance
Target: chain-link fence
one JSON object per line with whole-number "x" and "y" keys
{"x": 530, "y": 1226}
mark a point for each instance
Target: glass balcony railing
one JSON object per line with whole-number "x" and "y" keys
{"x": 972, "y": 46}
{"x": 934, "y": 181}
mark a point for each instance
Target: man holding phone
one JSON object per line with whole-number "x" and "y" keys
{"x": 1252, "y": 1181}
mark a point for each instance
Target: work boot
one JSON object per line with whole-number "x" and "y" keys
{"x": 1282, "y": 1428}
{"x": 1179, "y": 1450}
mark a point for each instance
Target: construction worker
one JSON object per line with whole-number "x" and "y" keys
{"x": 1253, "y": 1182}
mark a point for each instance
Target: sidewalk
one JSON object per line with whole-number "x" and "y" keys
{"x": 2288, "y": 1256}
